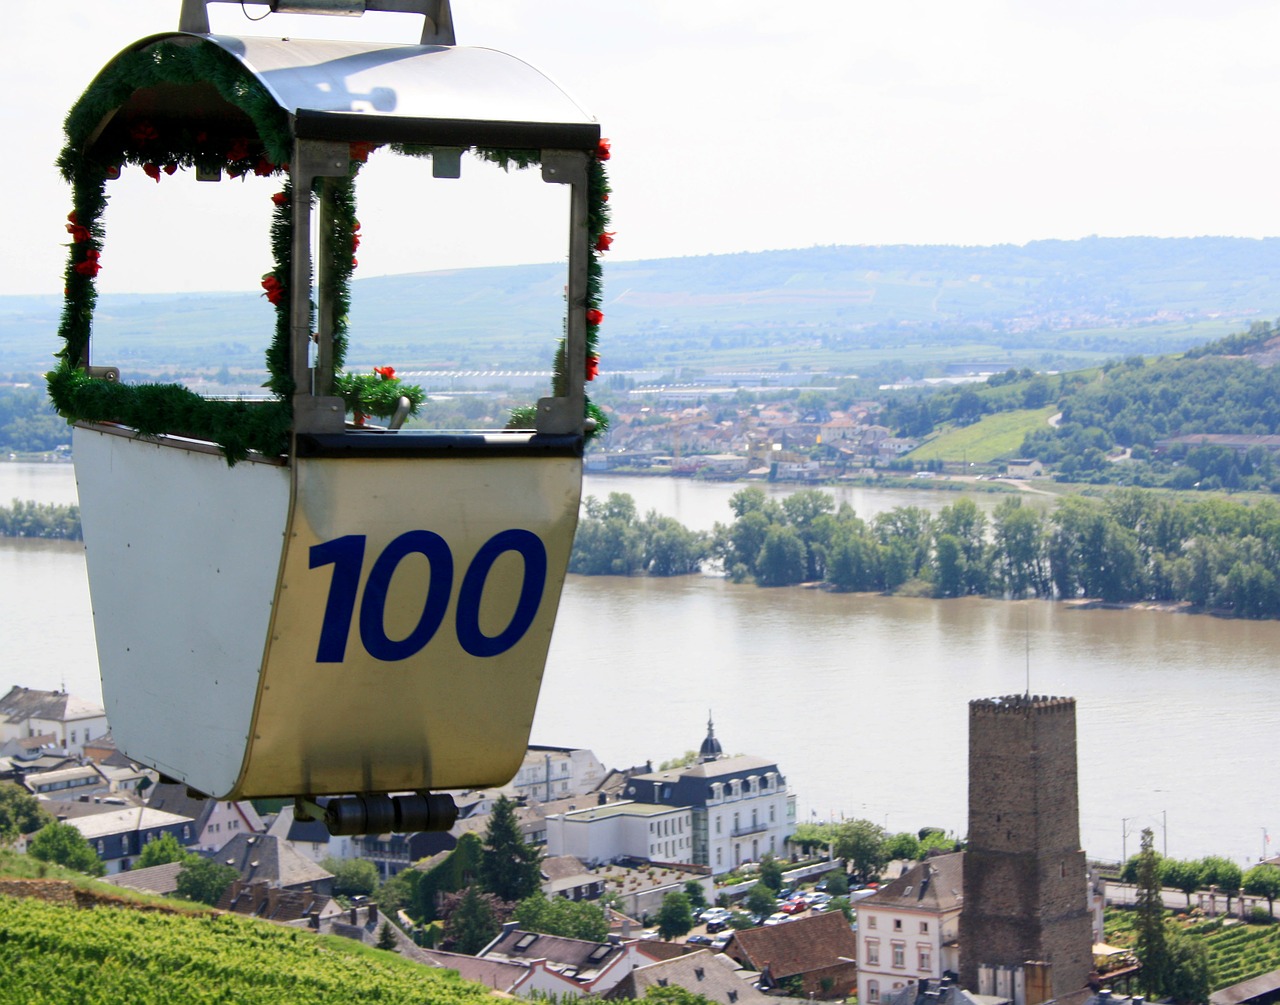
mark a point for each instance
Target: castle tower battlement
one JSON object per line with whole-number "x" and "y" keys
{"x": 1025, "y": 872}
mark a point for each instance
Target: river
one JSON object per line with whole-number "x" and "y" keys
{"x": 861, "y": 700}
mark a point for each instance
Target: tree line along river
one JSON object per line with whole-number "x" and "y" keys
{"x": 861, "y": 699}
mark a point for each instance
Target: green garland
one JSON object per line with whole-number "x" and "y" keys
{"x": 237, "y": 427}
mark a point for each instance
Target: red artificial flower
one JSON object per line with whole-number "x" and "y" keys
{"x": 78, "y": 233}
{"x": 112, "y": 172}
{"x": 263, "y": 168}
{"x": 170, "y": 169}
{"x": 152, "y": 171}
{"x": 355, "y": 262}
{"x": 360, "y": 150}
{"x": 90, "y": 266}
{"x": 280, "y": 199}
{"x": 602, "y": 150}
{"x": 239, "y": 150}
{"x": 593, "y": 366}
{"x": 594, "y": 317}
{"x": 143, "y": 133}
{"x": 274, "y": 288}
{"x": 604, "y": 240}
{"x": 385, "y": 372}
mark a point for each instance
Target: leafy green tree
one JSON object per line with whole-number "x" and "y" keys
{"x": 472, "y": 921}
{"x": 1222, "y": 873}
{"x": 697, "y": 897}
{"x": 905, "y": 845}
{"x": 572, "y": 919}
{"x": 1182, "y": 875}
{"x": 387, "y": 938}
{"x": 760, "y": 900}
{"x": 671, "y": 548}
{"x": 675, "y": 918}
{"x": 352, "y": 877}
{"x": 205, "y": 880}
{"x": 20, "y": 813}
{"x": 862, "y": 844}
{"x": 163, "y": 850}
{"x": 608, "y": 541}
{"x": 1189, "y": 971}
{"x": 1262, "y": 881}
{"x": 63, "y": 845}
{"x": 783, "y": 558}
{"x": 1150, "y": 942}
{"x": 771, "y": 873}
{"x": 508, "y": 866}
{"x": 837, "y": 883}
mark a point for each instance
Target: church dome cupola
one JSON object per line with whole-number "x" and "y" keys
{"x": 710, "y": 749}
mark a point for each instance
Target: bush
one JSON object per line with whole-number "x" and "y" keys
{"x": 1260, "y": 916}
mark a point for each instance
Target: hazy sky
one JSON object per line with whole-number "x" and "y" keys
{"x": 740, "y": 125}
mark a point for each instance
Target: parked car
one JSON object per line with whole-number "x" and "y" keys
{"x": 699, "y": 940}
{"x": 796, "y": 906}
{"x": 720, "y": 941}
{"x": 777, "y": 919}
{"x": 716, "y": 926}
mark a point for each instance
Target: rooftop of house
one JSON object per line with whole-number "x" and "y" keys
{"x": 124, "y": 821}
{"x": 496, "y": 974}
{"x": 711, "y": 975}
{"x": 622, "y": 808}
{"x": 265, "y": 857}
{"x": 23, "y": 703}
{"x": 935, "y": 885}
{"x": 797, "y": 947}
{"x": 158, "y": 879}
{"x": 577, "y": 958}
{"x": 721, "y": 767}
{"x": 262, "y": 900}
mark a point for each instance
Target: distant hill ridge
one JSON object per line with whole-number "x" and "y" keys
{"x": 1007, "y": 298}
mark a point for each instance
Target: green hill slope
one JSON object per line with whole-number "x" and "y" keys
{"x": 53, "y": 953}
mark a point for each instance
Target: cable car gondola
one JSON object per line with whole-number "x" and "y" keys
{"x": 285, "y": 603}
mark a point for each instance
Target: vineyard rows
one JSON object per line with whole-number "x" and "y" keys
{"x": 1237, "y": 951}
{"x": 53, "y": 954}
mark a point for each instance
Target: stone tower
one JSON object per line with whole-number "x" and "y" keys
{"x": 1025, "y": 927}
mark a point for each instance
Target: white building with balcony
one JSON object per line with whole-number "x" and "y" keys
{"x": 740, "y": 807}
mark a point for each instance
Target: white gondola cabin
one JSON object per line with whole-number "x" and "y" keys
{"x": 343, "y": 610}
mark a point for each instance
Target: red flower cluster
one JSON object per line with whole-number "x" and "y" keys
{"x": 605, "y": 240}
{"x": 78, "y": 233}
{"x": 152, "y": 171}
{"x": 385, "y": 372}
{"x": 593, "y": 366}
{"x": 280, "y": 199}
{"x": 171, "y": 169}
{"x": 90, "y": 266}
{"x": 602, "y": 150}
{"x": 263, "y": 168}
{"x": 360, "y": 150}
{"x": 143, "y": 133}
{"x": 355, "y": 243}
{"x": 274, "y": 288}
{"x": 239, "y": 150}
{"x": 594, "y": 317}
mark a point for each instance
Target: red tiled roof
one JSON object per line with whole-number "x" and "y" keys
{"x": 795, "y": 947}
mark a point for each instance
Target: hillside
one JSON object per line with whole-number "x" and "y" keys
{"x": 1049, "y": 304}
{"x": 59, "y": 952}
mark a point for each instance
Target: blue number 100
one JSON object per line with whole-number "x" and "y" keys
{"x": 346, "y": 555}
